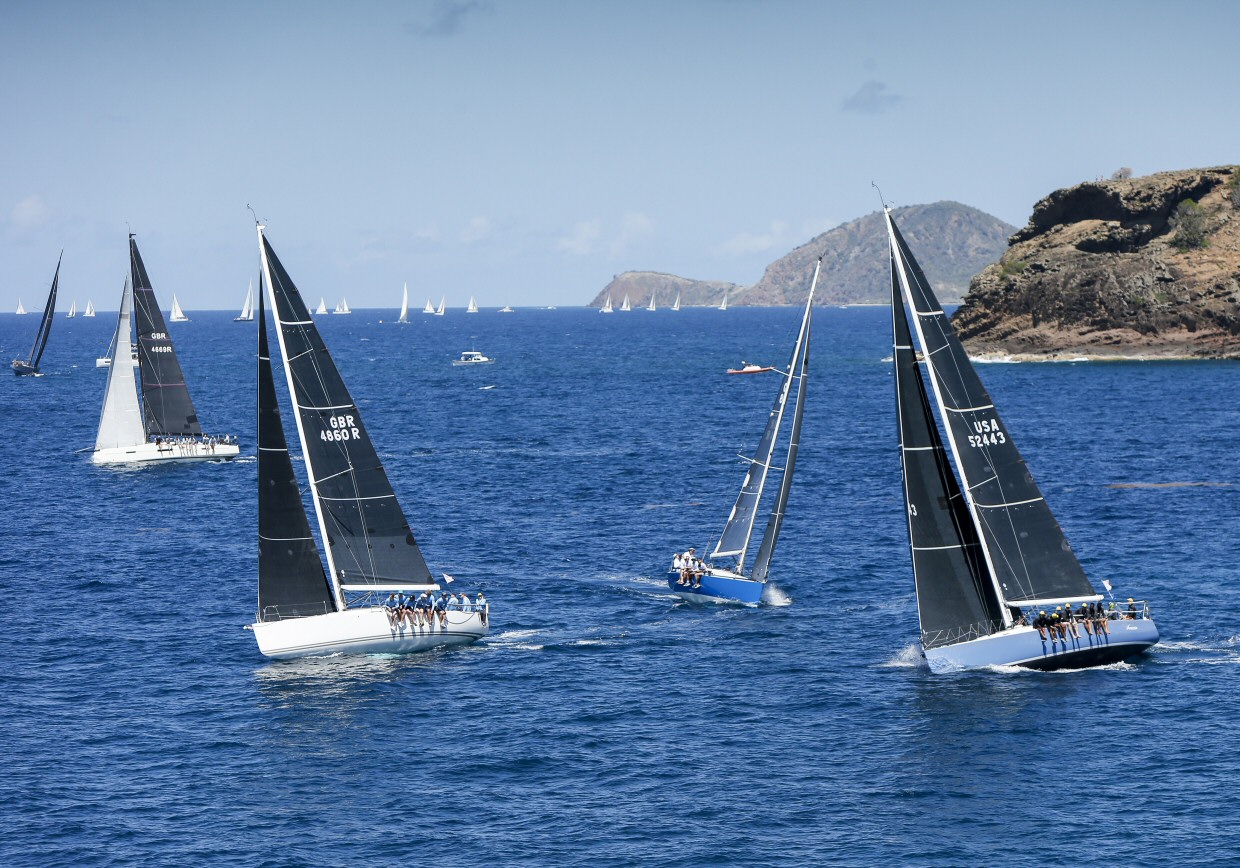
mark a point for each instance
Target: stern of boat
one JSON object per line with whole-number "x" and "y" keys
{"x": 1024, "y": 646}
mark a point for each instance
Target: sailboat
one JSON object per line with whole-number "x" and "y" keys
{"x": 370, "y": 550}
{"x": 30, "y": 364}
{"x": 21, "y": 308}
{"x": 429, "y": 308}
{"x": 988, "y": 555}
{"x": 322, "y": 308}
{"x": 676, "y": 303}
{"x": 90, "y": 308}
{"x": 343, "y": 306}
{"x": 723, "y": 305}
{"x": 72, "y": 310}
{"x": 404, "y": 306}
{"x": 165, "y": 428}
{"x": 247, "y": 309}
{"x": 624, "y": 305}
{"x": 440, "y": 309}
{"x": 473, "y": 306}
{"x": 178, "y": 315}
{"x": 606, "y": 308}
{"x": 651, "y": 305}
{"x": 718, "y": 584}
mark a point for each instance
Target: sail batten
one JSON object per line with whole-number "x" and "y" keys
{"x": 367, "y": 538}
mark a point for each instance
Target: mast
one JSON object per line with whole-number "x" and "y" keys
{"x": 734, "y": 541}
{"x": 1026, "y": 551}
{"x": 367, "y": 540}
{"x": 49, "y": 313}
{"x": 120, "y": 421}
{"x": 762, "y": 563}
{"x": 166, "y": 404}
{"x": 291, "y": 581}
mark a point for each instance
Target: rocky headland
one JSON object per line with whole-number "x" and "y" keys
{"x": 1111, "y": 270}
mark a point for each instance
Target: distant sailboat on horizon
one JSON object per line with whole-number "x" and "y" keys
{"x": 322, "y": 308}
{"x": 429, "y": 308}
{"x": 343, "y": 307}
{"x": 676, "y": 303}
{"x": 439, "y": 311}
{"x": 178, "y": 315}
{"x": 247, "y": 309}
{"x": 473, "y": 306}
{"x": 606, "y": 308}
{"x": 404, "y": 305}
{"x": 624, "y": 305}
{"x": 651, "y": 305}
{"x": 21, "y": 308}
{"x": 72, "y": 311}
{"x": 723, "y": 305}
{"x": 90, "y": 308}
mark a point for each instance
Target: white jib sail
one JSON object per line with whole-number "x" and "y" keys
{"x": 120, "y": 423}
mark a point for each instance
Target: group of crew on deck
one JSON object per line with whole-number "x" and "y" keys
{"x": 208, "y": 442}
{"x": 690, "y": 567}
{"x": 1066, "y": 622}
{"x": 427, "y": 608}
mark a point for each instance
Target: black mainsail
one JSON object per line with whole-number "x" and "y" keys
{"x": 31, "y": 364}
{"x": 291, "y": 581}
{"x": 368, "y": 541}
{"x": 956, "y": 596}
{"x": 166, "y": 405}
{"x": 1026, "y": 550}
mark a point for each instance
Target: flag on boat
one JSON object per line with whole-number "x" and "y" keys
{"x": 448, "y": 578}
{"x": 1106, "y": 584}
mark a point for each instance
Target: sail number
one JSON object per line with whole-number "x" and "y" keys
{"x": 342, "y": 428}
{"x": 988, "y": 433}
{"x": 166, "y": 348}
{"x": 159, "y": 336}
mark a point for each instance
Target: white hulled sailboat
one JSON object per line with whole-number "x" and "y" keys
{"x": 439, "y": 311}
{"x": 165, "y": 427}
{"x": 473, "y": 306}
{"x": 989, "y": 558}
{"x": 72, "y": 310}
{"x": 428, "y": 308}
{"x": 178, "y": 315}
{"x": 343, "y": 306}
{"x": 369, "y": 548}
{"x": 247, "y": 309}
{"x": 404, "y": 305}
{"x": 90, "y": 308}
{"x": 322, "y": 308}
{"x": 606, "y": 308}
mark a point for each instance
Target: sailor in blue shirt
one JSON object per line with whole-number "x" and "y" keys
{"x": 441, "y": 608}
{"x": 422, "y": 609}
{"x": 391, "y": 607}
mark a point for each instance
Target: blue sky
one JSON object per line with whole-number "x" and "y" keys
{"x": 526, "y": 152}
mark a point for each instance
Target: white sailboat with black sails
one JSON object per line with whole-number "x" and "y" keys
{"x": 29, "y": 366}
{"x": 719, "y": 584}
{"x": 165, "y": 427}
{"x": 369, "y": 548}
{"x": 989, "y": 557}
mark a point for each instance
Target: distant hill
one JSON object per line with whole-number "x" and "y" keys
{"x": 1100, "y": 272}
{"x": 954, "y": 242}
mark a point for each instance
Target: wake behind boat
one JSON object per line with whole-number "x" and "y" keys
{"x": 165, "y": 427}
{"x": 29, "y": 366}
{"x": 997, "y": 582}
{"x": 370, "y": 550}
{"x": 702, "y": 582}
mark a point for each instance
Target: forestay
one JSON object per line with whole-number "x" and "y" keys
{"x": 1025, "y": 548}
{"x": 367, "y": 539}
{"x": 166, "y": 404}
{"x": 291, "y": 581}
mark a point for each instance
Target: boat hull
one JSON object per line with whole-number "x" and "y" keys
{"x": 1023, "y": 646}
{"x": 22, "y": 369}
{"x": 150, "y": 453}
{"x": 718, "y": 588}
{"x": 361, "y": 631}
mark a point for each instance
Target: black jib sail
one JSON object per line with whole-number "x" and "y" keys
{"x": 166, "y": 406}
{"x": 1026, "y": 550}
{"x": 368, "y": 540}
{"x": 31, "y": 364}
{"x": 956, "y": 597}
{"x": 291, "y": 581}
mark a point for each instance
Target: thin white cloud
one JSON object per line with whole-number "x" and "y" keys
{"x": 746, "y": 243}
{"x": 582, "y": 240}
{"x": 29, "y": 214}
{"x": 478, "y": 228}
{"x": 448, "y": 17}
{"x": 871, "y": 99}
{"x": 634, "y": 229}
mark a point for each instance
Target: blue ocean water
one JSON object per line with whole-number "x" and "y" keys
{"x": 604, "y": 722}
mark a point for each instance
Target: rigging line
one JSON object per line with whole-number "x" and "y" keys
{"x": 1007, "y": 505}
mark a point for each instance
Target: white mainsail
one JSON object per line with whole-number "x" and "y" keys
{"x": 651, "y": 305}
{"x": 606, "y": 308}
{"x": 724, "y": 304}
{"x": 430, "y": 308}
{"x": 90, "y": 308}
{"x": 21, "y": 308}
{"x": 247, "y": 309}
{"x": 120, "y": 423}
{"x": 439, "y": 312}
{"x": 72, "y": 310}
{"x": 178, "y": 315}
{"x": 404, "y": 305}
{"x": 322, "y": 308}
{"x": 473, "y": 306}
{"x": 624, "y": 305}
{"x": 676, "y": 303}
